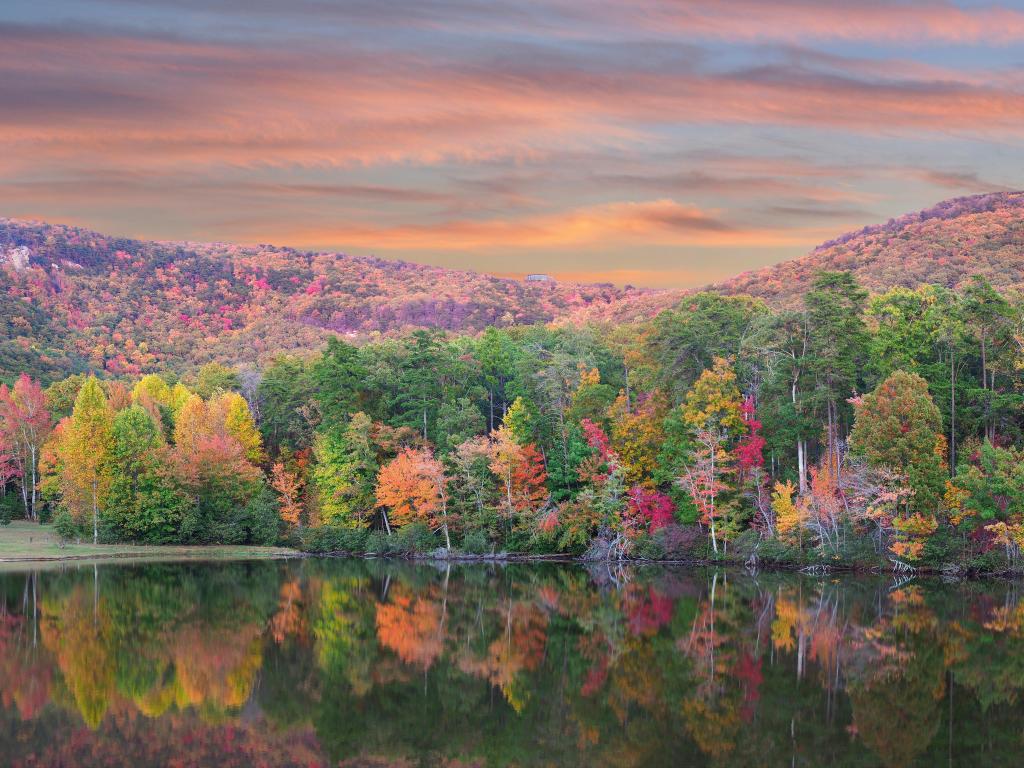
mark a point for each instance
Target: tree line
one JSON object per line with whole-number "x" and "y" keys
{"x": 856, "y": 426}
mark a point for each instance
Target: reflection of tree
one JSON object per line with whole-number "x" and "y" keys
{"x": 216, "y": 667}
{"x": 289, "y": 620}
{"x": 159, "y": 639}
{"x": 897, "y": 696}
{"x": 78, "y": 631}
{"x": 25, "y": 666}
{"x": 412, "y": 626}
{"x": 519, "y": 647}
{"x": 712, "y": 709}
{"x": 343, "y": 628}
{"x": 382, "y": 663}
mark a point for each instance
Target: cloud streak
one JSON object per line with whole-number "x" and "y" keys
{"x": 476, "y": 128}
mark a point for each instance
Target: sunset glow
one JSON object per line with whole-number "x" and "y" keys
{"x": 660, "y": 142}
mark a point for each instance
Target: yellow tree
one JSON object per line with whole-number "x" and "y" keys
{"x": 504, "y": 457}
{"x": 713, "y": 410}
{"x": 232, "y": 410}
{"x": 154, "y": 388}
{"x": 179, "y": 396}
{"x": 87, "y": 443}
{"x": 638, "y": 433}
{"x": 192, "y": 425}
{"x": 288, "y": 485}
{"x": 788, "y": 516}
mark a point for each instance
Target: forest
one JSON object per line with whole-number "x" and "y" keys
{"x": 857, "y": 430}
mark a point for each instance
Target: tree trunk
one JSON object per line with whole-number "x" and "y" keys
{"x": 95, "y": 515}
{"x": 984, "y": 367}
{"x": 802, "y": 464}
{"x": 714, "y": 539}
{"x": 24, "y": 494}
{"x": 801, "y": 445}
{"x": 32, "y": 455}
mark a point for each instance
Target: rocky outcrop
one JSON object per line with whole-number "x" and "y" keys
{"x": 17, "y": 257}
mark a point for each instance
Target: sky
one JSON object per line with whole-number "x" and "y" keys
{"x": 663, "y": 143}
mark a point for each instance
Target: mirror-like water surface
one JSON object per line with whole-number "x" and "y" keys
{"x": 334, "y": 662}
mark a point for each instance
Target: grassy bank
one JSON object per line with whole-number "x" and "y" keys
{"x": 23, "y": 541}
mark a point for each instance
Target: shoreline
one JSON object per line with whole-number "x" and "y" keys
{"x": 218, "y": 553}
{"x": 943, "y": 572}
{"x": 25, "y": 543}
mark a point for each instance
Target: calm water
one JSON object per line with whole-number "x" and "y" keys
{"x": 312, "y": 663}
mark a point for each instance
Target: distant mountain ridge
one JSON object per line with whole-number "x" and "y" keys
{"x": 72, "y": 299}
{"x": 943, "y": 245}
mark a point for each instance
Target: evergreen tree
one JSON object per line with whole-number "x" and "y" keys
{"x": 838, "y": 347}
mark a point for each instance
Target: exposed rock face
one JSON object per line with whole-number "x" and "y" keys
{"x": 17, "y": 257}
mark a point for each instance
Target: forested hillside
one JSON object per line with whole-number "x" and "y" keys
{"x": 943, "y": 245}
{"x": 71, "y": 299}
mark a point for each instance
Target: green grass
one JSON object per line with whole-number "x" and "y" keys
{"x": 23, "y": 541}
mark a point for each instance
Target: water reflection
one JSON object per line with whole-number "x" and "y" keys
{"x": 373, "y": 663}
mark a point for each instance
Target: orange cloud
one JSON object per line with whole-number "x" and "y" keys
{"x": 655, "y": 222}
{"x": 149, "y": 103}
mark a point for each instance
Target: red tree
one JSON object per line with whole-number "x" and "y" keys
{"x": 24, "y": 426}
{"x": 653, "y": 508}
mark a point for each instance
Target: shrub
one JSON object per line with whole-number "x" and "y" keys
{"x": 943, "y": 546}
{"x": 650, "y": 548}
{"x": 415, "y": 538}
{"x": 376, "y": 543}
{"x": 476, "y": 543}
{"x": 11, "y": 508}
{"x": 774, "y": 550}
{"x": 260, "y": 521}
{"x": 859, "y": 550}
{"x": 745, "y": 544}
{"x": 334, "y": 538}
{"x": 65, "y": 526}
{"x": 993, "y": 561}
{"x": 544, "y": 543}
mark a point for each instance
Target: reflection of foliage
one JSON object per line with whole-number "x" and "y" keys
{"x": 897, "y": 713}
{"x": 375, "y": 662}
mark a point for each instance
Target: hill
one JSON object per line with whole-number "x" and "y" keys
{"x": 72, "y": 299}
{"x": 943, "y": 245}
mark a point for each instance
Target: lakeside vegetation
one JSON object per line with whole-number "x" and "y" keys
{"x": 856, "y": 431}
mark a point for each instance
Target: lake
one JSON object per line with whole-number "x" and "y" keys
{"x": 376, "y": 663}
